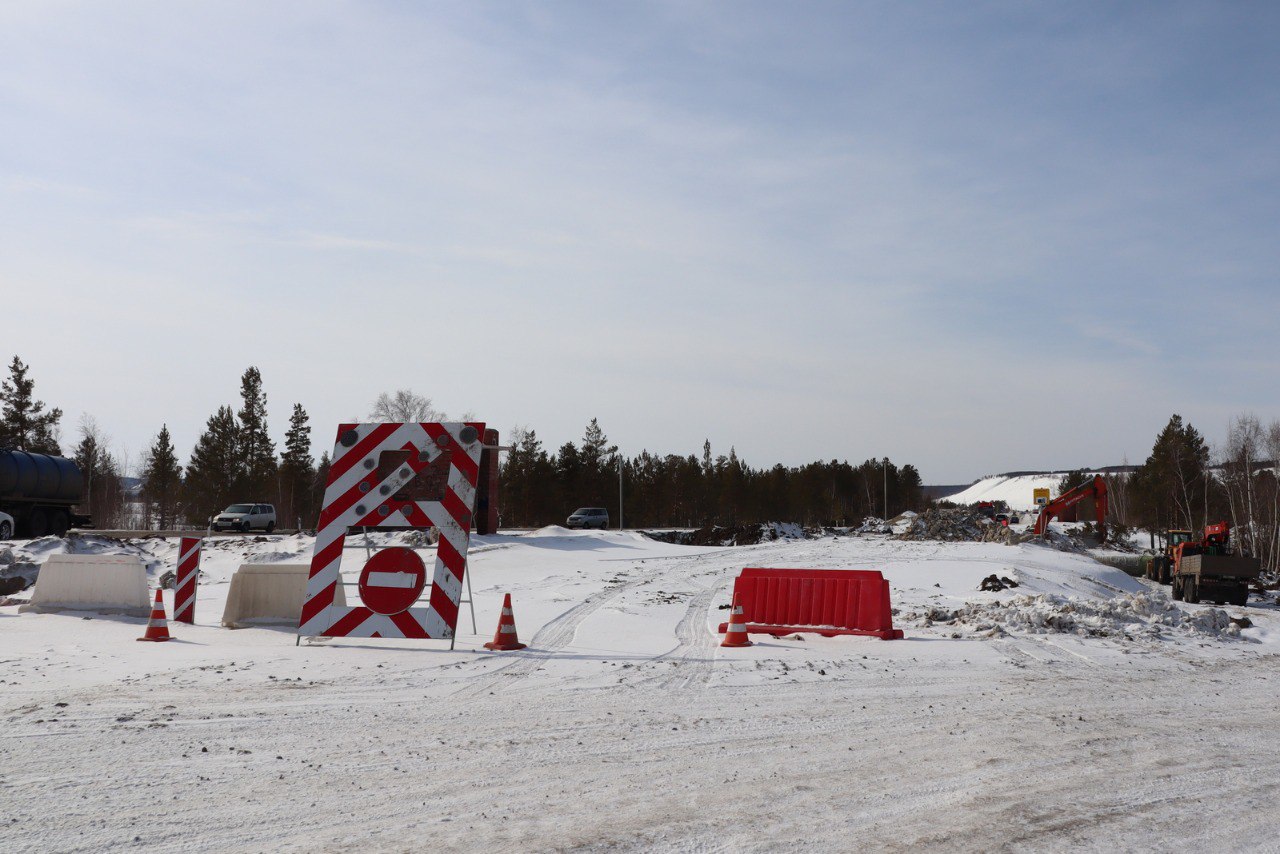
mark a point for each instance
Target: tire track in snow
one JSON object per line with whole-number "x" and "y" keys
{"x": 545, "y": 643}
{"x": 693, "y": 659}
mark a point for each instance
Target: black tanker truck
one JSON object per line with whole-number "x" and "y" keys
{"x": 40, "y": 492}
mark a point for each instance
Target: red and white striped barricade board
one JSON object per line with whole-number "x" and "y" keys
{"x": 397, "y": 476}
{"x": 185, "y": 580}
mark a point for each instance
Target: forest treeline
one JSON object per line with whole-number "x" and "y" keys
{"x": 235, "y": 459}
{"x": 1181, "y": 484}
{"x": 670, "y": 490}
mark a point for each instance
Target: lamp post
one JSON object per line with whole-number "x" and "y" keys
{"x": 619, "y": 491}
{"x": 885, "y": 470}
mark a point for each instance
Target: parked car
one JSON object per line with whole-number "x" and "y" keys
{"x": 6, "y": 526}
{"x": 589, "y": 517}
{"x": 245, "y": 517}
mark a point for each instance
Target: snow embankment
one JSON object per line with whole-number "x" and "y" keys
{"x": 1017, "y": 491}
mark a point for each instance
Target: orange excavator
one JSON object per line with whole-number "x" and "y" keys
{"x": 1095, "y": 489}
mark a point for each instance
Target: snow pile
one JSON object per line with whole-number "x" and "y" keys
{"x": 1148, "y": 615}
{"x": 1017, "y": 491}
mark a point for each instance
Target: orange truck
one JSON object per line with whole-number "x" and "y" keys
{"x": 1209, "y": 569}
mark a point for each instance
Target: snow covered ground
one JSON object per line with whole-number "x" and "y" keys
{"x": 1081, "y": 710}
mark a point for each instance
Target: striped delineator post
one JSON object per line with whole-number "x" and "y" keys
{"x": 410, "y": 475}
{"x": 505, "y": 638}
{"x": 737, "y": 634}
{"x": 184, "y": 586}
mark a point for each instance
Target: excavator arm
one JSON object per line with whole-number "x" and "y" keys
{"x": 1095, "y": 489}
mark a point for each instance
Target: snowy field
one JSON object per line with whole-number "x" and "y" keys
{"x": 1080, "y": 711}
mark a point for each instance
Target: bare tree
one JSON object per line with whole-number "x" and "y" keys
{"x": 404, "y": 406}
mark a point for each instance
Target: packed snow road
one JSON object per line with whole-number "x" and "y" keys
{"x": 1080, "y": 710}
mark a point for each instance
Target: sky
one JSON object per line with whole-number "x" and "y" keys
{"x": 973, "y": 237}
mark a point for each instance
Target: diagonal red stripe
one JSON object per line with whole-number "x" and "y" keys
{"x": 444, "y": 606}
{"x": 349, "y": 623}
{"x": 457, "y": 508}
{"x": 361, "y": 450}
{"x": 316, "y": 604}
{"x": 449, "y": 556}
{"x": 408, "y": 626}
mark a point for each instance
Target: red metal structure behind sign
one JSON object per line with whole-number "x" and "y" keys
{"x": 828, "y": 602}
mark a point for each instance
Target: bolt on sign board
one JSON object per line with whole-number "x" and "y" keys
{"x": 395, "y": 477}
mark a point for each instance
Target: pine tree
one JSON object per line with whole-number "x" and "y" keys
{"x": 297, "y": 470}
{"x": 258, "y": 453}
{"x": 88, "y": 456}
{"x": 1170, "y": 488}
{"x": 161, "y": 481}
{"x": 1072, "y": 479}
{"x": 598, "y": 464}
{"x": 215, "y": 472}
{"x": 103, "y": 490}
{"x": 24, "y": 425}
{"x": 318, "y": 485}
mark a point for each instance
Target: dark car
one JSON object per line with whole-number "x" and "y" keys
{"x": 589, "y": 517}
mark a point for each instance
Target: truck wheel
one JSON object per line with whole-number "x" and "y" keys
{"x": 1191, "y": 592}
{"x": 1177, "y": 588}
{"x": 271, "y": 526}
{"x": 37, "y": 524}
{"x": 59, "y": 524}
{"x": 1241, "y": 598}
{"x": 6, "y": 530}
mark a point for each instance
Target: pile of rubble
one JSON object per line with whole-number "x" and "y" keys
{"x": 957, "y": 525}
{"x": 1149, "y": 615}
{"x": 741, "y": 535}
{"x": 16, "y": 574}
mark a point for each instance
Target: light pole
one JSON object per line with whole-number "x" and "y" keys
{"x": 885, "y": 469}
{"x": 619, "y": 491}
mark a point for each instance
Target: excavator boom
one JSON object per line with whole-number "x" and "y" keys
{"x": 1095, "y": 489}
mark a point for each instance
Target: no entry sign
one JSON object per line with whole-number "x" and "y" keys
{"x": 392, "y": 581}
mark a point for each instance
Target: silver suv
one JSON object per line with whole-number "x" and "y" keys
{"x": 589, "y": 517}
{"x": 245, "y": 517}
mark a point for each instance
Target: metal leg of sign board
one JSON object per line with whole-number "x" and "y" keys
{"x": 470, "y": 600}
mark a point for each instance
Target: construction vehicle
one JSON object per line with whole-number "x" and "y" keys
{"x": 1209, "y": 569}
{"x": 40, "y": 492}
{"x": 1160, "y": 567}
{"x": 987, "y": 508}
{"x": 1076, "y": 505}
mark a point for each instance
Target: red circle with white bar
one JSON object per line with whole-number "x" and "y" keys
{"x": 392, "y": 581}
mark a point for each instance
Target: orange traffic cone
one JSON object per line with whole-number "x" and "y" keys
{"x": 505, "y": 638}
{"x": 737, "y": 633}
{"x": 157, "y": 628}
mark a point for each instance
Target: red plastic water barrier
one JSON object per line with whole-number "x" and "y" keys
{"x": 828, "y": 602}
